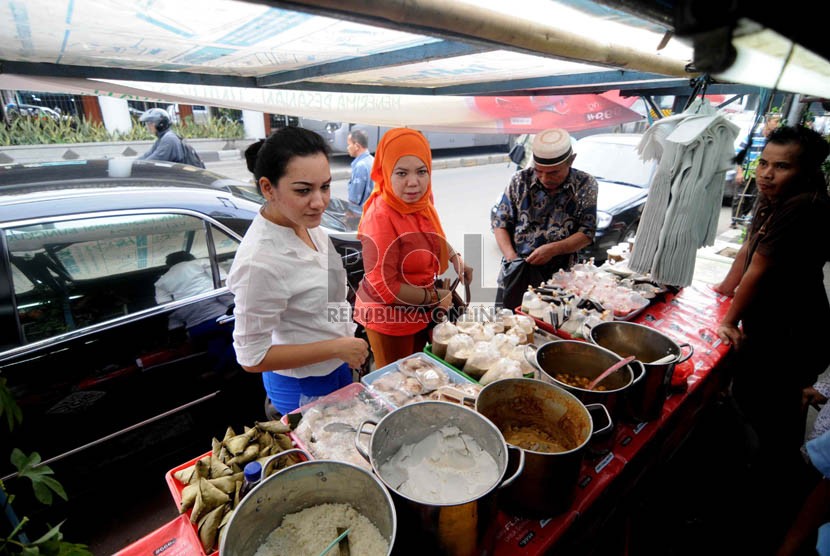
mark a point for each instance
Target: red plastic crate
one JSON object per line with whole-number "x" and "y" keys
{"x": 175, "y": 538}
{"x": 176, "y": 487}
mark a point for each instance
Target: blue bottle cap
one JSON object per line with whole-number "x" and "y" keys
{"x": 253, "y": 471}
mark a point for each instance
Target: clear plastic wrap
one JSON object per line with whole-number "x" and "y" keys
{"x": 483, "y": 357}
{"x": 459, "y": 349}
{"x": 501, "y": 369}
{"x": 441, "y": 334}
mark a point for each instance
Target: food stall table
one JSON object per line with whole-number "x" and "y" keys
{"x": 604, "y": 481}
{"x": 692, "y": 316}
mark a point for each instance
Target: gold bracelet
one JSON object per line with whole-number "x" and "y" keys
{"x": 425, "y": 299}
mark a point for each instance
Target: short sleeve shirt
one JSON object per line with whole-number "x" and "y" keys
{"x": 534, "y": 216}
{"x": 792, "y": 236}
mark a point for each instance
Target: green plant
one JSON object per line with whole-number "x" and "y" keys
{"x": 46, "y": 131}
{"x": 14, "y": 538}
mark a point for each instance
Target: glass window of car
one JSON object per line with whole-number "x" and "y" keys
{"x": 617, "y": 162}
{"x": 71, "y": 274}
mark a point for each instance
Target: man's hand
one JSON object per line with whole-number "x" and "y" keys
{"x": 811, "y": 396}
{"x": 730, "y": 334}
{"x": 723, "y": 289}
{"x": 542, "y": 255}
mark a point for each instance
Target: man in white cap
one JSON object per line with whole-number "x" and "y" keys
{"x": 547, "y": 213}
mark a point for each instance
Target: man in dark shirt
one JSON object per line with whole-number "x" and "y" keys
{"x": 779, "y": 320}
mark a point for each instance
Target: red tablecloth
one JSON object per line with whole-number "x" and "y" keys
{"x": 691, "y": 316}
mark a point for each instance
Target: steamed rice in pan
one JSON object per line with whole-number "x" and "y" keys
{"x": 309, "y": 532}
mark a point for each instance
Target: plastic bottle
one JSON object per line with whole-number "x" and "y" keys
{"x": 252, "y": 477}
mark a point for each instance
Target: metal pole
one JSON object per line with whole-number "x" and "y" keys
{"x": 477, "y": 25}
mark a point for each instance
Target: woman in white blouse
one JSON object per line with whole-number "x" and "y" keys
{"x": 293, "y": 323}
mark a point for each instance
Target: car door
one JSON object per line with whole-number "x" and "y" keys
{"x": 106, "y": 371}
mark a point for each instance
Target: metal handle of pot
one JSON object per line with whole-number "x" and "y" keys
{"x": 640, "y": 376}
{"x": 273, "y": 459}
{"x": 358, "y": 446}
{"x": 519, "y": 469}
{"x": 686, "y": 357}
{"x": 604, "y": 411}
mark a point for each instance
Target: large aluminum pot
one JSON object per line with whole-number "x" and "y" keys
{"x": 521, "y": 407}
{"x": 459, "y": 529}
{"x": 301, "y": 486}
{"x": 644, "y": 401}
{"x": 589, "y": 361}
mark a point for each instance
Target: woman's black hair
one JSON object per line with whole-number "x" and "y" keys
{"x": 269, "y": 157}
{"x": 813, "y": 152}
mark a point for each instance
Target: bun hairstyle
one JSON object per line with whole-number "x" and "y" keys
{"x": 270, "y": 157}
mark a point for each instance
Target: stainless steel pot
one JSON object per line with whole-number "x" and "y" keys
{"x": 299, "y": 487}
{"x": 587, "y": 360}
{"x": 461, "y": 529}
{"x": 546, "y": 487}
{"x": 644, "y": 401}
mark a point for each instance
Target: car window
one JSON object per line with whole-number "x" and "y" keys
{"x": 613, "y": 162}
{"x": 75, "y": 273}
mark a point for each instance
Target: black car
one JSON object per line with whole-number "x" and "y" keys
{"x": 623, "y": 180}
{"x": 110, "y": 387}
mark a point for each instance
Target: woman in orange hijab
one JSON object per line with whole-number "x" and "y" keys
{"x": 404, "y": 249}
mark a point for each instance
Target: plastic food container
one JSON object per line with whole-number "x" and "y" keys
{"x": 400, "y": 388}
{"x": 328, "y": 424}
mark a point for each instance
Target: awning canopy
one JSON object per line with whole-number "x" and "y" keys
{"x": 434, "y": 48}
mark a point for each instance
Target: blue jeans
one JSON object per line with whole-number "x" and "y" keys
{"x": 288, "y": 393}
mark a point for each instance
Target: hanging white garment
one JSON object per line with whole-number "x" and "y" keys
{"x": 695, "y": 150}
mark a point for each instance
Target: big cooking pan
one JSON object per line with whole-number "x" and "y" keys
{"x": 587, "y": 360}
{"x": 460, "y": 528}
{"x": 644, "y": 401}
{"x": 526, "y": 411}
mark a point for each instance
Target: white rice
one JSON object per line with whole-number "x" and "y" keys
{"x": 309, "y": 532}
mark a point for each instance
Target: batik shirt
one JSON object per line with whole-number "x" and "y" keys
{"x": 534, "y": 217}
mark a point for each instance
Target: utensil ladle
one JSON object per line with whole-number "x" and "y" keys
{"x": 616, "y": 366}
{"x": 665, "y": 359}
{"x": 339, "y": 427}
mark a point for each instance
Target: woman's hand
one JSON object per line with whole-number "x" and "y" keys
{"x": 464, "y": 271}
{"x": 353, "y": 351}
{"x": 730, "y": 334}
{"x": 444, "y": 299}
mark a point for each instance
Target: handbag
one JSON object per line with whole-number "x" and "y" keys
{"x": 459, "y": 303}
{"x": 517, "y": 276}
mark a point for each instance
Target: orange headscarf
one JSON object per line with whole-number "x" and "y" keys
{"x": 394, "y": 144}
